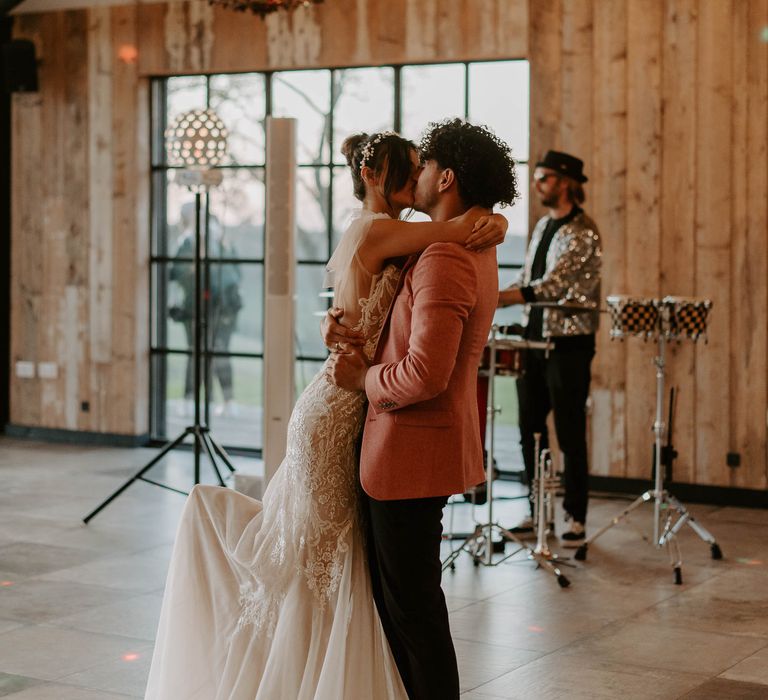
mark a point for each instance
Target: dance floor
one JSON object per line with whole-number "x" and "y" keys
{"x": 79, "y": 604}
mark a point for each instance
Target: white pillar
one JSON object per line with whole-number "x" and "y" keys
{"x": 279, "y": 267}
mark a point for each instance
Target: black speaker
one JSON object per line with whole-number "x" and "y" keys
{"x": 19, "y": 66}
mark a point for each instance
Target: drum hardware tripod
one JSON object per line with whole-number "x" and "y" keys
{"x": 668, "y": 452}
{"x": 199, "y": 430}
{"x": 677, "y": 515}
{"x": 480, "y": 544}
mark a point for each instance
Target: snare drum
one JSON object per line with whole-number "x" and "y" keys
{"x": 630, "y": 316}
{"x": 686, "y": 317}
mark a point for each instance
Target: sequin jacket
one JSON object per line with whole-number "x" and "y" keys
{"x": 572, "y": 275}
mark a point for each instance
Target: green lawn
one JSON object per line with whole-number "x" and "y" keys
{"x": 248, "y": 378}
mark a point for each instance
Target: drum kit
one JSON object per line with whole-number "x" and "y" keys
{"x": 504, "y": 356}
{"x": 672, "y": 318}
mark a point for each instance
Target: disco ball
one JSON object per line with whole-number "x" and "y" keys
{"x": 196, "y": 139}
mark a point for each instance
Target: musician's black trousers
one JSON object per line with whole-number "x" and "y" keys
{"x": 404, "y": 560}
{"x": 559, "y": 383}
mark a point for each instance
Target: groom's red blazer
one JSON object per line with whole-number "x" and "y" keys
{"x": 422, "y": 435}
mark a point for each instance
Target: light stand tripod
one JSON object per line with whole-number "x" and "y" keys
{"x": 202, "y": 440}
{"x": 480, "y": 544}
{"x": 675, "y": 514}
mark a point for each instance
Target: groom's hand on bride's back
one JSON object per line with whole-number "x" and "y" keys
{"x": 334, "y": 333}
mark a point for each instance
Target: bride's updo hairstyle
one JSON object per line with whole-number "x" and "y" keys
{"x": 386, "y": 153}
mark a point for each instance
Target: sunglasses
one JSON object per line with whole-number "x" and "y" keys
{"x": 544, "y": 178}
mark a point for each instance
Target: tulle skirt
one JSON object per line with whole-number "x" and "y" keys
{"x": 208, "y": 646}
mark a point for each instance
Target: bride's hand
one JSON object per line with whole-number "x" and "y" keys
{"x": 347, "y": 369}
{"x": 334, "y": 334}
{"x": 489, "y": 231}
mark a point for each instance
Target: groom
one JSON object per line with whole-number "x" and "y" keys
{"x": 421, "y": 442}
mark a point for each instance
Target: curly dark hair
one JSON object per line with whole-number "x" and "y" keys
{"x": 391, "y": 156}
{"x": 481, "y": 161}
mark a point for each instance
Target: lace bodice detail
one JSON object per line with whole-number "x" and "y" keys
{"x": 373, "y": 309}
{"x": 311, "y": 505}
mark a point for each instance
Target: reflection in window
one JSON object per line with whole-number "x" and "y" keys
{"x": 240, "y": 101}
{"x": 304, "y": 373}
{"x": 235, "y": 315}
{"x": 512, "y": 251}
{"x": 306, "y": 96}
{"x": 344, "y": 202}
{"x": 309, "y": 282}
{"x": 239, "y": 203}
{"x": 185, "y": 93}
{"x": 224, "y": 300}
{"x": 178, "y": 408}
{"x": 235, "y": 421}
{"x": 239, "y": 421}
{"x": 365, "y": 102}
{"x": 312, "y": 189}
{"x": 504, "y": 110}
{"x": 431, "y": 93}
{"x": 180, "y": 314}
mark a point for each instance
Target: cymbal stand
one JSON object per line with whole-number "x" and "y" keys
{"x": 480, "y": 544}
{"x": 675, "y": 514}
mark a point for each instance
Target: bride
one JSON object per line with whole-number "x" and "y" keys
{"x": 271, "y": 599}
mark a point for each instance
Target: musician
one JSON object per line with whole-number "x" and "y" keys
{"x": 562, "y": 265}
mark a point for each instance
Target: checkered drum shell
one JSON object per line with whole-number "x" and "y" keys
{"x": 687, "y": 317}
{"x": 633, "y": 316}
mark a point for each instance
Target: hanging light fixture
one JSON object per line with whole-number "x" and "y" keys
{"x": 196, "y": 139}
{"x": 263, "y": 7}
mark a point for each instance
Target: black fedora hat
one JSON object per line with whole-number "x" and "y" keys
{"x": 564, "y": 164}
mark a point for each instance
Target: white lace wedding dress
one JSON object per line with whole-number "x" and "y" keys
{"x": 272, "y": 600}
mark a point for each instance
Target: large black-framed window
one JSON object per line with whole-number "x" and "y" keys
{"x": 329, "y": 104}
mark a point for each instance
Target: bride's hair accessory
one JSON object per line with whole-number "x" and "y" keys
{"x": 367, "y": 151}
{"x": 388, "y": 153}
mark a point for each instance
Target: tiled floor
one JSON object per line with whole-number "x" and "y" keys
{"x": 79, "y": 605}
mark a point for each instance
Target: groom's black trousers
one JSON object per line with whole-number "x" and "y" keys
{"x": 404, "y": 560}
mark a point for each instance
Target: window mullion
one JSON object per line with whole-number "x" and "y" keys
{"x": 398, "y": 95}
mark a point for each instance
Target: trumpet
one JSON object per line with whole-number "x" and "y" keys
{"x": 546, "y": 482}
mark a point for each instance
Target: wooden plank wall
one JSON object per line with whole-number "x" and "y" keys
{"x": 678, "y": 205}
{"x": 80, "y": 240}
{"x": 666, "y": 101}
